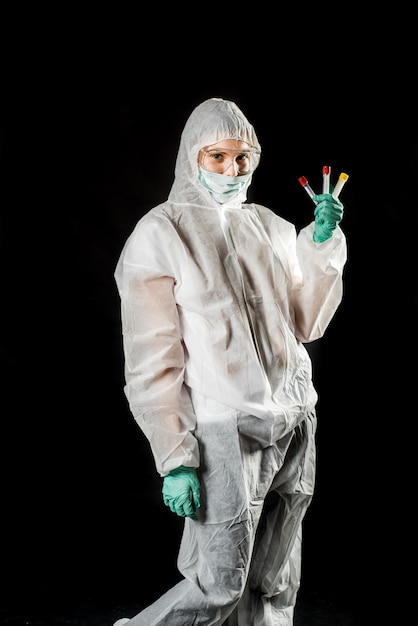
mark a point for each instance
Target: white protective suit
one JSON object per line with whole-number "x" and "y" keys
{"x": 217, "y": 301}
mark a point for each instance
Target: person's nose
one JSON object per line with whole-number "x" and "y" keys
{"x": 232, "y": 169}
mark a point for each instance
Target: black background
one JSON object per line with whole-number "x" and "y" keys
{"x": 91, "y": 125}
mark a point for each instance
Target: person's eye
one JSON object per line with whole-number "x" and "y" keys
{"x": 217, "y": 156}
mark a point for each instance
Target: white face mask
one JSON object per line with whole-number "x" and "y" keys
{"x": 223, "y": 188}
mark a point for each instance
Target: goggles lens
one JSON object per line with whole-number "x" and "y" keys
{"x": 225, "y": 161}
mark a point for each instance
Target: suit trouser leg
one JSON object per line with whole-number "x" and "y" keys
{"x": 274, "y": 579}
{"x": 216, "y": 551}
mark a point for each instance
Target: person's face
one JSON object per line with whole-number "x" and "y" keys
{"x": 230, "y": 157}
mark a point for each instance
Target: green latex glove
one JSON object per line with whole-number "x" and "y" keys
{"x": 328, "y": 213}
{"x": 181, "y": 491}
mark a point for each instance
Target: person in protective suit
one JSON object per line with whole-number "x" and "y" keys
{"x": 218, "y": 298}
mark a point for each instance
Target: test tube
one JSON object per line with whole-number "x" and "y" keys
{"x": 305, "y": 184}
{"x": 340, "y": 184}
{"x": 326, "y": 173}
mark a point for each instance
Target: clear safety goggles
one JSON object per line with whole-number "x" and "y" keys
{"x": 226, "y": 161}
